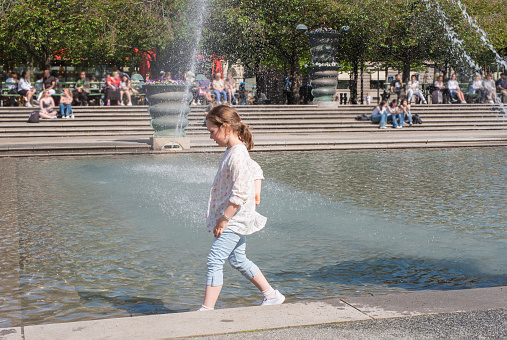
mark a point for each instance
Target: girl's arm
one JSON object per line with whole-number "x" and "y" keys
{"x": 224, "y": 219}
{"x": 258, "y": 185}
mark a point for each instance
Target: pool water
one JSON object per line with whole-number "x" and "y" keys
{"x": 88, "y": 238}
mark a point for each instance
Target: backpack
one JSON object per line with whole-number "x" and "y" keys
{"x": 417, "y": 119}
{"x": 34, "y": 117}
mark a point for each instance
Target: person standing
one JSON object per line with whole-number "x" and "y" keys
{"x": 397, "y": 86}
{"x": 231, "y": 210}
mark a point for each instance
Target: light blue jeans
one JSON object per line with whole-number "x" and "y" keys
{"x": 381, "y": 118}
{"x": 65, "y": 110}
{"x": 218, "y": 93}
{"x": 230, "y": 246}
{"x": 405, "y": 115}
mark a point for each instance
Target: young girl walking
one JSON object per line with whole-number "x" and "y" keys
{"x": 231, "y": 209}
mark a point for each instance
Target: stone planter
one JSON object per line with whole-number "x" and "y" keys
{"x": 169, "y": 108}
{"x": 324, "y": 79}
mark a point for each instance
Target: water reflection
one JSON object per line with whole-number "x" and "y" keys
{"x": 96, "y": 237}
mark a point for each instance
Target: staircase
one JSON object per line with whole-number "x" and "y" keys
{"x": 126, "y": 129}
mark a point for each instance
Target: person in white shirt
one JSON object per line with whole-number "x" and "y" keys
{"x": 413, "y": 88}
{"x": 489, "y": 86}
{"x": 231, "y": 209}
{"x": 25, "y": 88}
{"x": 453, "y": 87}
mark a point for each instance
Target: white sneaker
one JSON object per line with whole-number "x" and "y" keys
{"x": 277, "y": 300}
{"x": 129, "y": 104}
{"x": 399, "y": 127}
{"x": 28, "y": 105}
{"x": 72, "y": 117}
{"x": 53, "y": 117}
{"x": 382, "y": 127}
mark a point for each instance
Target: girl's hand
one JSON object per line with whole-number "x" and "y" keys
{"x": 220, "y": 227}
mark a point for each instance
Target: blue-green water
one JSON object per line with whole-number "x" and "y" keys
{"x": 100, "y": 237}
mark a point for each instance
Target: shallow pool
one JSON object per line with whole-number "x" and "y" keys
{"x": 89, "y": 238}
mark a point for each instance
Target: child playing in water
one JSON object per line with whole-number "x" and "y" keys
{"x": 231, "y": 209}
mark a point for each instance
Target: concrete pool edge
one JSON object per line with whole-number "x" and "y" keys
{"x": 245, "y": 319}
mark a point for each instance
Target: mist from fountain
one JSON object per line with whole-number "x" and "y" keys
{"x": 480, "y": 31}
{"x": 200, "y": 7}
{"x": 457, "y": 48}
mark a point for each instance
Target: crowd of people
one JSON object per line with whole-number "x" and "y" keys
{"x": 394, "y": 112}
{"x": 480, "y": 91}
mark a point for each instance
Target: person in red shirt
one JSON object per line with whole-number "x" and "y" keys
{"x": 112, "y": 92}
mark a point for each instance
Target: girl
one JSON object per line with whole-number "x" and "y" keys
{"x": 125, "y": 88}
{"x": 405, "y": 112}
{"x": 25, "y": 88}
{"x": 65, "y": 104}
{"x": 47, "y": 104}
{"x": 379, "y": 115}
{"x": 231, "y": 210}
{"x": 394, "y": 114}
{"x": 454, "y": 89}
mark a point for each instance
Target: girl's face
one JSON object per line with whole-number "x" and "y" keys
{"x": 404, "y": 103}
{"x": 47, "y": 95}
{"x": 218, "y": 134}
{"x": 453, "y": 77}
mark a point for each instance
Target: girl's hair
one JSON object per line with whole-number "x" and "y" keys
{"x": 44, "y": 93}
{"x": 24, "y": 73}
{"x": 223, "y": 114}
{"x": 67, "y": 92}
{"x": 382, "y": 103}
{"x": 404, "y": 100}
{"x": 393, "y": 103}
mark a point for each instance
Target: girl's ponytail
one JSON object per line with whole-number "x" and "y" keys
{"x": 245, "y": 135}
{"x": 224, "y": 114}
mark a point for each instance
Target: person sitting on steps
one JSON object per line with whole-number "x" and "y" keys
{"x": 25, "y": 88}
{"x": 413, "y": 88}
{"x": 379, "y": 115}
{"x": 453, "y": 87}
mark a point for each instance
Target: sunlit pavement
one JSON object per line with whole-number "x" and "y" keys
{"x": 469, "y": 313}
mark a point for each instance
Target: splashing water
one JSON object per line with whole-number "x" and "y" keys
{"x": 200, "y": 7}
{"x": 458, "y": 49}
{"x": 480, "y": 31}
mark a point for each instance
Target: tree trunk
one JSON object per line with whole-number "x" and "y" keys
{"x": 406, "y": 70}
{"x": 353, "y": 82}
{"x": 298, "y": 80}
{"x": 362, "y": 86}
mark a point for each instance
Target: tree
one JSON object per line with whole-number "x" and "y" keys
{"x": 261, "y": 32}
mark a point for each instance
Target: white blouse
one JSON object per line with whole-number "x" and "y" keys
{"x": 234, "y": 183}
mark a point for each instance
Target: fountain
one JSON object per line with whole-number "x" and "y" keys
{"x": 169, "y": 101}
{"x": 324, "y": 69}
{"x": 169, "y": 108}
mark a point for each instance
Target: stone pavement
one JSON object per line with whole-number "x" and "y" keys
{"x": 474, "y": 313}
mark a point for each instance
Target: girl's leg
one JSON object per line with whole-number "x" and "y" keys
{"x": 220, "y": 250}
{"x": 62, "y": 110}
{"x": 239, "y": 261}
